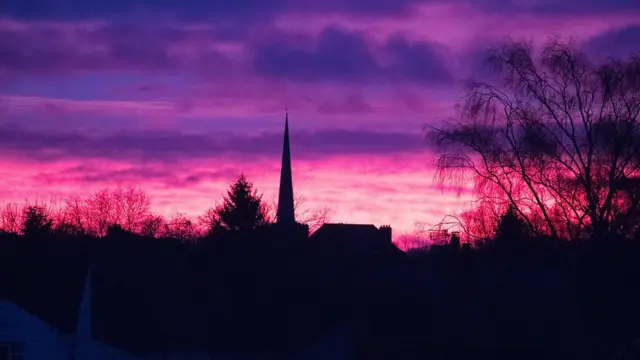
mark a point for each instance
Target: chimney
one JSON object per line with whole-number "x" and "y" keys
{"x": 385, "y": 230}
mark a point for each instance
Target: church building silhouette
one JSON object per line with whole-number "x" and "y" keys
{"x": 353, "y": 236}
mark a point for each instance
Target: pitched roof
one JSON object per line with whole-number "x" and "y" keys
{"x": 348, "y": 229}
{"x": 354, "y": 237}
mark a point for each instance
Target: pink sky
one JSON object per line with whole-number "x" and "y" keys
{"x": 180, "y": 99}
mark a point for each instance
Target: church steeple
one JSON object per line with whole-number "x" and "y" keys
{"x": 285, "y": 213}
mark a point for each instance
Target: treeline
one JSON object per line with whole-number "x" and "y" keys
{"x": 226, "y": 289}
{"x": 128, "y": 209}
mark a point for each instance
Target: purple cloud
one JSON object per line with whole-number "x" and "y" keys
{"x": 337, "y": 54}
{"x": 88, "y": 174}
{"x": 53, "y": 50}
{"x": 619, "y": 43}
{"x": 174, "y": 177}
{"x": 166, "y": 146}
{"x": 244, "y": 11}
{"x": 247, "y": 10}
{"x": 576, "y": 7}
{"x": 417, "y": 60}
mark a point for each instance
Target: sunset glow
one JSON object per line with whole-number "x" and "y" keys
{"x": 180, "y": 101}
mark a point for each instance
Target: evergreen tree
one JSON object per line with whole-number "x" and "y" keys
{"x": 242, "y": 208}
{"x": 511, "y": 227}
{"x": 36, "y": 222}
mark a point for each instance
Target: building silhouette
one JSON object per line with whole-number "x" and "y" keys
{"x": 76, "y": 315}
{"x": 352, "y": 236}
{"x": 286, "y": 226}
{"x": 286, "y": 210}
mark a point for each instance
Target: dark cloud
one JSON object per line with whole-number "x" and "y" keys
{"x": 338, "y": 54}
{"x": 358, "y": 141}
{"x": 619, "y": 43}
{"x": 416, "y": 60}
{"x": 576, "y": 7}
{"x": 244, "y": 11}
{"x": 176, "y": 147}
{"x": 247, "y": 10}
{"x": 56, "y": 50}
{"x": 335, "y": 54}
{"x": 552, "y": 7}
{"x": 202, "y": 176}
{"x": 170, "y": 176}
{"x": 88, "y": 174}
{"x": 352, "y": 104}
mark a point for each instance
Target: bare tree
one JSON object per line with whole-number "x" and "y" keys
{"x": 11, "y": 218}
{"x": 312, "y": 217}
{"x": 101, "y": 211}
{"x": 210, "y": 220}
{"x": 180, "y": 227}
{"x": 480, "y": 221}
{"x": 73, "y": 218}
{"x": 555, "y": 138}
{"x": 48, "y": 209}
{"x": 152, "y": 226}
{"x": 414, "y": 240}
{"x": 134, "y": 207}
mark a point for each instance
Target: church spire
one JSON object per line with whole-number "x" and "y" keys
{"x": 285, "y": 213}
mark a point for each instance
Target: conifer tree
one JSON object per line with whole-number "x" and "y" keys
{"x": 511, "y": 227}
{"x": 242, "y": 208}
{"x": 36, "y": 222}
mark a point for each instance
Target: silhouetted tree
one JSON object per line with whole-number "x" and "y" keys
{"x": 480, "y": 221}
{"x": 417, "y": 240}
{"x": 134, "y": 206}
{"x": 210, "y": 222}
{"x": 11, "y": 218}
{"x": 180, "y": 227}
{"x": 454, "y": 241}
{"x": 36, "y": 224}
{"x": 312, "y": 217}
{"x": 511, "y": 227}
{"x": 242, "y": 208}
{"x": 73, "y": 217}
{"x": 552, "y": 138}
{"x": 116, "y": 231}
{"x": 102, "y": 211}
{"x": 152, "y": 225}
{"x": 626, "y": 213}
{"x": 67, "y": 228}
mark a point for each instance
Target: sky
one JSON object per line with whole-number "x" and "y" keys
{"x": 180, "y": 97}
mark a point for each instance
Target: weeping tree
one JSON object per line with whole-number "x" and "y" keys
{"x": 554, "y": 136}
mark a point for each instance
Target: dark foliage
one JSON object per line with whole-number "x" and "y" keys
{"x": 37, "y": 225}
{"x": 242, "y": 209}
{"x": 251, "y": 287}
{"x": 511, "y": 227}
{"x": 259, "y": 294}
